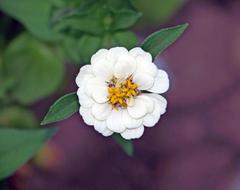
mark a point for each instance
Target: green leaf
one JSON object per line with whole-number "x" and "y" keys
{"x": 33, "y": 14}
{"x": 63, "y": 108}
{"x": 157, "y": 11}
{"x": 126, "y": 145}
{"x": 6, "y": 84}
{"x": 124, "y": 19}
{"x": 88, "y": 45}
{"x": 18, "y": 146}
{"x": 71, "y": 49}
{"x": 35, "y": 67}
{"x": 89, "y": 18}
{"x": 126, "y": 38}
{"x": 18, "y": 117}
{"x": 157, "y": 42}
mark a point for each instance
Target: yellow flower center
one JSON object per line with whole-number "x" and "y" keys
{"x": 121, "y": 92}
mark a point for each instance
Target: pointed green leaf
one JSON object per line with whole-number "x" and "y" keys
{"x": 33, "y": 14}
{"x": 157, "y": 42}
{"x": 18, "y": 146}
{"x": 63, "y": 108}
{"x": 126, "y": 145}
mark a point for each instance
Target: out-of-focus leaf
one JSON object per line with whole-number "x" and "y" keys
{"x": 126, "y": 145}
{"x": 33, "y": 14}
{"x": 63, "y": 108}
{"x": 157, "y": 11}
{"x": 81, "y": 49}
{"x": 17, "y": 117}
{"x": 126, "y": 38}
{"x": 6, "y": 84}
{"x": 118, "y": 5}
{"x": 70, "y": 46}
{"x": 36, "y": 69}
{"x": 124, "y": 19}
{"x": 18, "y": 146}
{"x": 88, "y": 19}
{"x": 160, "y": 40}
{"x": 96, "y": 17}
{"x": 88, "y": 45}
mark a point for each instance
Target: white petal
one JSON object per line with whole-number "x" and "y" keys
{"x": 101, "y": 111}
{"x": 130, "y": 122}
{"x": 160, "y": 107}
{"x": 86, "y": 70}
{"x": 116, "y": 52}
{"x": 107, "y": 132}
{"x": 161, "y": 82}
{"x": 103, "y": 68}
{"x": 87, "y": 116}
{"x": 100, "y": 126}
{"x": 124, "y": 67}
{"x": 100, "y": 94}
{"x": 139, "y": 109}
{"x": 100, "y": 54}
{"x": 161, "y": 101}
{"x": 146, "y": 67}
{"x": 138, "y": 52}
{"x": 115, "y": 121}
{"x": 148, "y": 101}
{"x": 94, "y": 83}
{"x": 84, "y": 100}
{"x": 144, "y": 81}
{"x": 133, "y": 133}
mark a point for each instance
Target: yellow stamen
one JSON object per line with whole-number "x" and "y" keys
{"x": 121, "y": 91}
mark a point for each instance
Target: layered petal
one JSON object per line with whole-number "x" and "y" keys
{"x": 124, "y": 67}
{"x": 93, "y": 84}
{"x": 101, "y": 111}
{"x": 101, "y": 127}
{"x": 87, "y": 115}
{"x": 138, "y": 52}
{"x": 133, "y": 133}
{"x": 84, "y": 100}
{"x": 160, "y": 107}
{"x": 100, "y": 94}
{"x": 115, "y": 121}
{"x": 116, "y": 52}
{"x": 131, "y": 122}
{"x": 161, "y": 83}
{"x": 99, "y": 55}
{"x": 84, "y": 74}
{"x": 142, "y": 105}
{"x": 103, "y": 69}
{"x": 144, "y": 81}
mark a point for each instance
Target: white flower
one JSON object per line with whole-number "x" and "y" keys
{"x": 119, "y": 92}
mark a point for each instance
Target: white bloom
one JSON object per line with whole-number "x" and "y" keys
{"x": 119, "y": 92}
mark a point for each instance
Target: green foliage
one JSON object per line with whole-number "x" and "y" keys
{"x": 97, "y": 17}
{"x": 17, "y": 117}
{"x": 87, "y": 46}
{"x": 157, "y": 11}
{"x": 124, "y": 38}
{"x": 33, "y": 14}
{"x": 36, "y": 70}
{"x": 18, "y": 146}
{"x": 160, "y": 40}
{"x": 63, "y": 108}
{"x": 126, "y": 145}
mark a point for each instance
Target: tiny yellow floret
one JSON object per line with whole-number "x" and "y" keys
{"x": 120, "y": 91}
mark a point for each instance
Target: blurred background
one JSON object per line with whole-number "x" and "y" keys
{"x": 196, "y": 144}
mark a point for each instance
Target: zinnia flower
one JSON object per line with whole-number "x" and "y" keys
{"x": 119, "y": 92}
